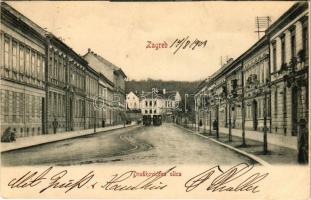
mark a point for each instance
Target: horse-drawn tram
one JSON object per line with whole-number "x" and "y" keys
{"x": 155, "y": 120}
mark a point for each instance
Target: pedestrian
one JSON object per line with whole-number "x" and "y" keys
{"x": 55, "y": 125}
{"x": 215, "y": 125}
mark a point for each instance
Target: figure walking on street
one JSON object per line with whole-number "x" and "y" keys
{"x": 55, "y": 125}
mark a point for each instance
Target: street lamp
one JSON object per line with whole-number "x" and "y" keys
{"x": 186, "y": 110}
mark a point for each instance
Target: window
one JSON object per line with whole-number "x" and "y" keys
{"x": 14, "y": 110}
{"x": 27, "y": 61}
{"x": 50, "y": 103}
{"x": 293, "y": 42}
{"x": 276, "y": 101}
{"x": 14, "y": 56}
{"x": 262, "y": 73}
{"x": 150, "y": 103}
{"x": 55, "y": 104}
{"x": 146, "y": 103}
{"x": 39, "y": 67}
{"x": 305, "y": 39}
{"x": 155, "y": 111}
{"x": 282, "y": 49}
{"x": 146, "y": 111}
{"x": 33, "y": 64}
{"x": 6, "y": 52}
{"x": 274, "y": 56}
{"x": 155, "y": 103}
{"x": 21, "y": 59}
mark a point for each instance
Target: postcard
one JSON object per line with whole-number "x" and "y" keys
{"x": 155, "y": 100}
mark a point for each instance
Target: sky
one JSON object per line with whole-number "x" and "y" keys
{"x": 119, "y": 32}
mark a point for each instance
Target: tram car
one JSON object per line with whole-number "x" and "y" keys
{"x": 147, "y": 120}
{"x": 157, "y": 120}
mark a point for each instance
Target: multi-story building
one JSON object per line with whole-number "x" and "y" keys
{"x": 65, "y": 88}
{"x": 159, "y": 102}
{"x": 289, "y": 53}
{"x": 265, "y": 87}
{"x": 256, "y": 79}
{"x": 132, "y": 101}
{"x": 22, "y": 69}
{"x": 116, "y": 93}
{"x": 92, "y": 112}
{"x": 46, "y": 87}
{"x": 151, "y": 104}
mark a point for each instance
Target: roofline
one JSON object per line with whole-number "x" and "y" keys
{"x": 60, "y": 42}
{"x": 293, "y": 10}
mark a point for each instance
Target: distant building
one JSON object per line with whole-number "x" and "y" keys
{"x": 159, "y": 102}
{"x": 132, "y": 101}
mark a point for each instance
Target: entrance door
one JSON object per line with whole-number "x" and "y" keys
{"x": 42, "y": 116}
{"x": 294, "y": 111}
{"x": 254, "y": 112}
{"x": 70, "y": 115}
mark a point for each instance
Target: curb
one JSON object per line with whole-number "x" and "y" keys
{"x": 61, "y": 139}
{"x": 251, "y": 156}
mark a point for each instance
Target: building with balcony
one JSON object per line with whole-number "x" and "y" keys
{"x": 289, "y": 59}
{"x": 267, "y": 84}
{"x": 256, "y": 78}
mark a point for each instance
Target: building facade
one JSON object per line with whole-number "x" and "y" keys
{"x": 116, "y": 91}
{"x": 22, "y": 71}
{"x": 159, "y": 102}
{"x": 256, "y": 79}
{"x": 289, "y": 50}
{"x": 46, "y": 87}
{"x": 267, "y": 84}
{"x": 132, "y": 101}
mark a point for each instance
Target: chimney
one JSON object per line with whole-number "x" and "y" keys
{"x": 89, "y": 50}
{"x": 164, "y": 91}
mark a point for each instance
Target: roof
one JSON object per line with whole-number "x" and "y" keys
{"x": 24, "y": 18}
{"x": 106, "y": 62}
{"x": 55, "y": 39}
{"x": 293, "y": 11}
{"x": 160, "y": 94}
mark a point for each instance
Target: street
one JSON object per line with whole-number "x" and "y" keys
{"x": 166, "y": 144}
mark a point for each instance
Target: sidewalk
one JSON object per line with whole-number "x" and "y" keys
{"x": 42, "y": 139}
{"x": 275, "y": 139}
{"x": 278, "y": 152}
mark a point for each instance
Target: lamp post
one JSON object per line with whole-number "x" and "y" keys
{"x": 186, "y": 97}
{"x": 265, "y": 139}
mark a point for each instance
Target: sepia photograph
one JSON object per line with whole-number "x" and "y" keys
{"x": 198, "y": 98}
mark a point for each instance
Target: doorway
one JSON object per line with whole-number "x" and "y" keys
{"x": 294, "y": 110}
{"x": 254, "y": 112}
